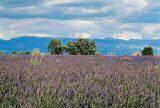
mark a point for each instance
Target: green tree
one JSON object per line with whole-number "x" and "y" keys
{"x": 82, "y": 46}
{"x": 56, "y": 47}
{"x": 147, "y": 51}
{"x": 72, "y": 48}
{"x": 86, "y": 46}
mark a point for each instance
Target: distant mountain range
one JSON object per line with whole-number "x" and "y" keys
{"x": 104, "y": 46}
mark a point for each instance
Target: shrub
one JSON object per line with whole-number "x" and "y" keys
{"x": 56, "y": 47}
{"x": 1, "y": 52}
{"x": 97, "y": 53}
{"x": 147, "y": 51}
{"x": 14, "y": 52}
{"x": 25, "y": 52}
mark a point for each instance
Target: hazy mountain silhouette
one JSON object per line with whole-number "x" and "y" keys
{"x": 104, "y": 46}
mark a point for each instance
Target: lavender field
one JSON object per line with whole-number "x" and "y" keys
{"x": 80, "y": 82}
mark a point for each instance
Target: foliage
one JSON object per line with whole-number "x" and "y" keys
{"x": 97, "y": 53}
{"x": 79, "y": 82}
{"x": 86, "y": 46}
{"x": 1, "y": 52}
{"x": 14, "y": 52}
{"x": 82, "y": 46}
{"x": 72, "y": 48}
{"x": 59, "y": 50}
{"x": 56, "y": 47}
{"x": 147, "y": 51}
{"x": 9, "y": 100}
{"x": 26, "y": 52}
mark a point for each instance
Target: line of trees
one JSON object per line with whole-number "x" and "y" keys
{"x": 79, "y": 47}
{"x": 83, "y": 47}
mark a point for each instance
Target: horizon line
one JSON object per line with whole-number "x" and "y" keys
{"x": 76, "y": 38}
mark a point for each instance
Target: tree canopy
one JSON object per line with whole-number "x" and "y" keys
{"x": 82, "y": 46}
{"x": 55, "y": 47}
{"x": 147, "y": 51}
{"x": 78, "y": 47}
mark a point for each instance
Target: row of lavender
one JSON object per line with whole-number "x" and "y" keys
{"x": 79, "y": 81}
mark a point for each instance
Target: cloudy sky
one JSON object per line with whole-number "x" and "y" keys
{"x": 125, "y": 19}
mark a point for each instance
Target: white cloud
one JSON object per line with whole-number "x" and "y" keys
{"x": 68, "y": 9}
{"x": 82, "y": 35}
{"x": 38, "y": 34}
{"x": 2, "y": 36}
{"x": 1, "y": 8}
{"x": 30, "y": 9}
{"x": 125, "y": 8}
{"x": 51, "y": 2}
{"x": 97, "y": 28}
{"x": 83, "y": 24}
{"x": 137, "y": 4}
{"x": 127, "y": 35}
{"x": 44, "y": 27}
{"x": 80, "y": 10}
{"x": 151, "y": 28}
{"x": 125, "y": 26}
{"x": 84, "y": 10}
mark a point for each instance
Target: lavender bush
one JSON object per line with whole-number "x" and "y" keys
{"x": 80, "y": 81}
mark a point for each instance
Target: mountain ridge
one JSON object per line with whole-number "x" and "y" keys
{"x": 104, "y": 46}
{"x": 108, "y": 38}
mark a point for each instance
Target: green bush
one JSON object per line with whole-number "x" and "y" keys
{"x": 82, "y": 46}
{"x": 25, "y": 52}
{"x": 147, "y": 51}
{"x": 1, "y": 52}
{"x": 14, "y": 52}
{"x": 56, "y": 47}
